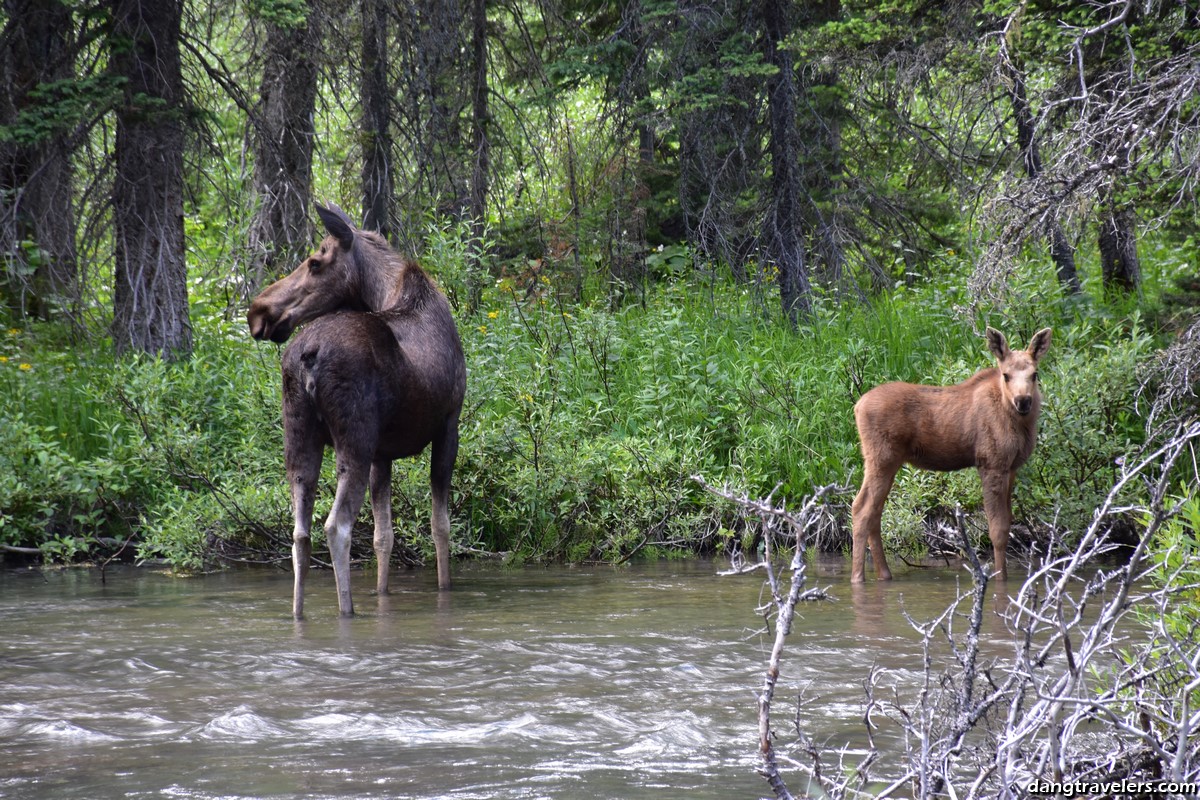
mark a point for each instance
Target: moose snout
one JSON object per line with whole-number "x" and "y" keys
{"x": 264, "y": 325}
{"x": 1023, "y": 404}
{"x": 256, "y": 318}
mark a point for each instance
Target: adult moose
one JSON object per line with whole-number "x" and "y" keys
{"x": 988, "y": 421}
{"x": 378, "y": 373}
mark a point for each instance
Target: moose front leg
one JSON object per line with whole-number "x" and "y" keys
{"x": 381, "y": 509}
{"x": 997, "y": 503}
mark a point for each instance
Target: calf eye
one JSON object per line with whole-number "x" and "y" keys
{"x": 1007, "y": 377}
{"x": 1035, "y": 377}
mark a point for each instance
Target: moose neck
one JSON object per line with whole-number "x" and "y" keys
{"x": 395, "y": 293}
{"x": 381, "y": 273}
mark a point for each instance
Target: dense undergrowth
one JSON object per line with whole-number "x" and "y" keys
{"x": 581, "y": 431}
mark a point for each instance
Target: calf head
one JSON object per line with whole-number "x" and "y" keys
{"x": 1018, "y": 369}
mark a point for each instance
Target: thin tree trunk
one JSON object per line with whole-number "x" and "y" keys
{"x": 1061, "y": 251}
{"x": 1119, "y": 263}
{"x": 720, "y": 157}
{"x": 280, "y": 233}
{"x": 378, "y": 182}
{"x": 635, "y": 190}
{"x": 436, "y": 92}
{"x": 821, "y": 120}
{"x": 150, "y": 311}
{"x": 785, "y": 244}
{"x": 481, "y": 145}
{"x": 479, "y": 109}
{"x": 576, "y": 208}
{"x": 36, "y": 175}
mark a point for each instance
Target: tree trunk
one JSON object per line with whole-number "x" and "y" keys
{"x": 1061, "y": 251}
{"x": 150, "y": 311}
{"x": 438, "y": 90}
{"x": 720, "y": 136}
{"x": 481, "y": 146}
{"x": 378, "y": 181}
{"x": 280, "y": 233}
{"x": 821, "y": 137}
{"x": 785, "y": 245}
{"x": 1119, "y": 264}
{"x": 627, "y": 215}
{"x": 37, "y": 221}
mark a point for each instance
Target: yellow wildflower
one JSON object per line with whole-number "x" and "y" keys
{"x": 3, "y": 359}
{"x": 483, "y": 328}
{"x": 13, "y": 331}
{"x": 493, "y": 314}
{"x": 26, "y": 367}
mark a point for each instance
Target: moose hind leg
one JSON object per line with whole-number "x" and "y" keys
{"x": 997, "y": 503}
{"x": 351, "y": 488}
{"x": 381, "y": 510}
{"x": 302, "y": 507}
{"x": 302, "y": 457}
{"x": 441, "y": 469}
{"x": 866, "y": 516}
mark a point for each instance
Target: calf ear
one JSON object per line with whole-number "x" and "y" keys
{"x": 997, "y": 343}
{"x": 337, "y": 223}
{"x": 1040, "y": 343}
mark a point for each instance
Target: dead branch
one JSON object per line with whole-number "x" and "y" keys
{"x": 801, "y": 526}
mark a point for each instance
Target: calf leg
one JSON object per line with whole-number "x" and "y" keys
{"x": 381, "y": 509}
{"x": 865, "y": 515}
{"x": 997, "y": 503}
{"x": 353, "y": 472}
{"x": 441, "y": 468}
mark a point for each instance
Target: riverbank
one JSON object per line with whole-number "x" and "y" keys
{"x": 581, "y": 431}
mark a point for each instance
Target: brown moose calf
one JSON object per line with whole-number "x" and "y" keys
{"x": 988, "y": 421}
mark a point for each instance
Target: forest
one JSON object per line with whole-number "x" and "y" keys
{"x": 679, "y": 239}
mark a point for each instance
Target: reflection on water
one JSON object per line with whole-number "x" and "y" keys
{"x": 548, "y": 683}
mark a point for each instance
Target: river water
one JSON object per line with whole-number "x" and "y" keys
{"x": 600, "y": 682}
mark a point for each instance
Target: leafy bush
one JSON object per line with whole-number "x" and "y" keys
{"x": 55, "y": 500}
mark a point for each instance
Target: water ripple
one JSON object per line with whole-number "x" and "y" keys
{"x": 61, "y": 730}
{"x": 242, "y": 724}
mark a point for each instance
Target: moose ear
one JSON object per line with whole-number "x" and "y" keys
{"x": 1040, "y": 343}
{"x": 997, "y": 343}
{"x": 337, "y": 223}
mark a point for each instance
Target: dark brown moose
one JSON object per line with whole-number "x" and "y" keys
{"x": 378, "y": 373}
{"x": 988, "y": 421}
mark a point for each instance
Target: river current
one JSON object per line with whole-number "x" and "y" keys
{"x": 597, "y": 682}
